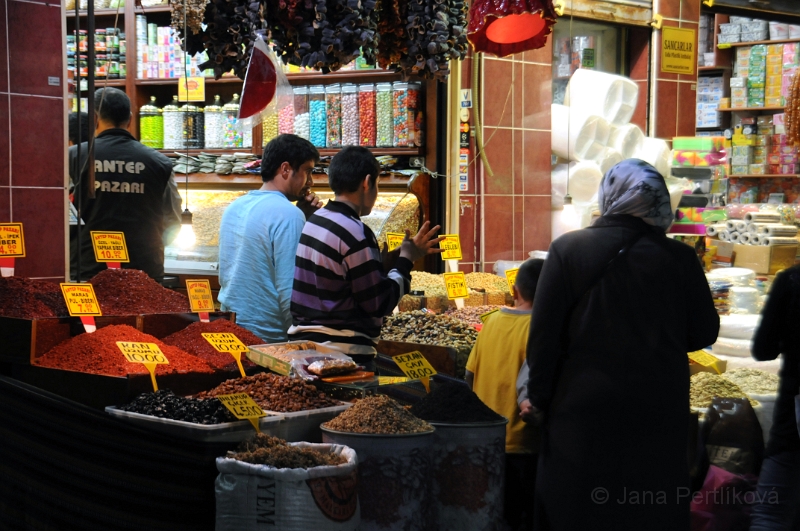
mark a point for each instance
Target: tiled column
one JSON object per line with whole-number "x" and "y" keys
{"x": 508, "y": 213}
{"x": 673, "y": 95}
{"x": 639, "y": 52}
{"x": 32, "y": 135}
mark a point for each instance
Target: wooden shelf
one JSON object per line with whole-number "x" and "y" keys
{"x": 712, "y": 68}
{"x": 736, "y": 44}
{"x": 100, "y": 83}
{"x": 740, "y": 109}
{"x": 399, "y": 151}
{"x": 176, "y": 80}
{"x": 165, "y": 8}
{"x": 299, "y": 78}
{"x": 393, "y": 181}
{"x": 99, "y": 13}
{"x": 770, "y": 176}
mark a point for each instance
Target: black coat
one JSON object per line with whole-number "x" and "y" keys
{"x": 614, "y": 448}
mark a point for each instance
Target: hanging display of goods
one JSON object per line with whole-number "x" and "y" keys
{"x": 151, "y": 125}
{"x": 193, "y": 131}
{"x": 214, "y": 124}
{"x": 173, "y": 125}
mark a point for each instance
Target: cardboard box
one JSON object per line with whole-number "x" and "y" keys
{"x": 765, "y": 260}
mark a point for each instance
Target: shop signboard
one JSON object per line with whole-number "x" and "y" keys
{"x": 678, "y": 50}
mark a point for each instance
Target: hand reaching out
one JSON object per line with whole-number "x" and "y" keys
{"x": 422, "y": 244}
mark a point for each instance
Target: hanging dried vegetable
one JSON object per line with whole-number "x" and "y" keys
{"x": 195, "y": 10}
{"x": 436, "y": 34}
{"x": 793, "y": 112}
{"x": 393, "y": 43}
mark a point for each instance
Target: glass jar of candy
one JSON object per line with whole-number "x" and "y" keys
{"x": 366, "y": 115}
{"x": 384, "y": 115}
{"x": 318, "y": 119}
{"x": 151, "y": 125}
{"x": 350, "y": 116}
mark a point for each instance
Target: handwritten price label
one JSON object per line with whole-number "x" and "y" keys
{"x": 228, "y": 343}
{"x": 148, "y": 354}
{"x": 415, "y": 366}
{"x": 200, "y": 297}
{"x": 394, "y": 240}
{"x": 452, "y": 247}
{"x": 243, "y": 407}
{"x": 80, "y": 299}
{"x": 456, "y": 284}
{"x": 110, "y": 247}
{"x": 12, "y": 240}
{"x": 511, "y": 279}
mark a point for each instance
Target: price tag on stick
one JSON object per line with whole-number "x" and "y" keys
{"x": 511, "y": 279}
{"x": 110, "y": 247}
{"x": 452, "y": 247}
{"x": 394, "y": 240}
{"x": 82, "y": 302}
{"x": 12, "y": 246}
{"x": 200, "y": 297}
{"x": 228, "y": 343}
{"x": 148, "y": 354}
{"x": 415, "y": 366}
{"x": 456, "y": 284}
{"x": 243, "y": 407}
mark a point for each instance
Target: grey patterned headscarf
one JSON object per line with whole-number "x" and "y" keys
{"x": 635, "y": 188}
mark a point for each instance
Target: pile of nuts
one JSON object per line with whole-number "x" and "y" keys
{"x": 274, "y": 392}
{"x": 432, "y": 285}
{"x": 470, "y": 314}
{"x": 488, "y": 282}
{"x": 429, "y": 329}
{"x": 754, "y": 381}
{"x": 705, "y": 386}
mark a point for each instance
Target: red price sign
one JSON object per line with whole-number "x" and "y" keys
{"x": 200, "y": 297}
{"x": 12, "y": 240}
{"x": 110, "y": 247}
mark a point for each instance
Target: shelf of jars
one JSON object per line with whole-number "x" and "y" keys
{"x": 388, "y": 181}
{"x": 100, "y": 12}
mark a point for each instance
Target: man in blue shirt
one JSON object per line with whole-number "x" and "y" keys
{"x": 258, "y": 238}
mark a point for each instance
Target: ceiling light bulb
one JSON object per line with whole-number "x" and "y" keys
{"x": 186, "y": 237}
{"x": 568, "y": 215}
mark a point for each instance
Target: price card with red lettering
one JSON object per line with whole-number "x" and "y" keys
{"x": 456, "y": 284}
{"x": 200, "y": 297}
{"x": 415, "y": 366}
{"x": 511, "y": 278}
{"x": 243, "y": 407}
{"x": 12, "y": 246}
{"x": 110, "y": 247}
{"x": 452, "y": 247}
{"x": 148, "y": 354}
{"x": 228, "y": 343}
{"x": 82, "y": 302}
{"x": 394, "y": 239}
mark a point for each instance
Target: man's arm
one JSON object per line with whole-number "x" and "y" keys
{"x": 171, "y": 209}
{"x": 284, "y": 249}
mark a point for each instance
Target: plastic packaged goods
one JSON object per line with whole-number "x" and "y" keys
{"x": 333, "y": 111}
{"x": 610, "y": 96}
{"x": 232, "y": 137}
{"x": 214, "y": 124}
{"x": 301, "y": 114}
{"x": 173, "y": 125}
{"x": 151, "y": 125}
{"x": 400, "y": 113}
{"x": 384, "y": 115}
{"x": 350, "y": 117}
{"x": 318, "y": 119}
{"x": 366, "y": 115}
{"x": 578, "y": 137}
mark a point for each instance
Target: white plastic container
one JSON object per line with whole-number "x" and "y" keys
{"x": 656, "y": 152}
{"x": 611, "y": 158}
{"x": 627, "y": 139}
{"x": 610, "y": 96}
{"x": 576, "y": 135}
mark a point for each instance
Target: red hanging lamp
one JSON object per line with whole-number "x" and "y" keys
{"x": 505, "y": 27}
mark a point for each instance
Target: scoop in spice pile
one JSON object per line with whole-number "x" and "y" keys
{"x": 454, "y": 403}
{"x": 377, "y": 414}
{"x": 705, "y": 386}
{"x": 167, "y": 405}
{"x": 25, "y": 298}
{"x": 274, "y": 392}
{"x": 132, "y": 292}
{"x": 98, "y": 353}
{"x": 192, "y": 341}
{"x": 272, "y": 451}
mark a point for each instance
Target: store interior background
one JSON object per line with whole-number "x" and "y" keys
{"x": 501, "y": 218}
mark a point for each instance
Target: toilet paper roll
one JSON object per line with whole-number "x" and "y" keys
{"x": 656, "y": 152}
{"x": 740, "y": 226}
{"x": 714, "y": 230}
{"x": 778, "y": 240}
{"x": 610, "y": 96}
{"x": 611, "y": 157}
{"x": 725, "y": 235}
{"x": 735, "y": 237}
{"x": 577, "y": 135}
{"x": 627, "y": 139}
{"x": 744, "y": 238}
{"x": 762, "y": 217}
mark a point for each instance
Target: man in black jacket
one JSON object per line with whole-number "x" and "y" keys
{"x": 135, "y": 191}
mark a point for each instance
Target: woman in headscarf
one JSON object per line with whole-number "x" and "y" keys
{"x": 618, "y": 307}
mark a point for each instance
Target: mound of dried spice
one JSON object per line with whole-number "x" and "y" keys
{"x": 192, "y": 341}
{"x": 753, "y": 381}
{"x": 704, "y": 386}
{"x": 165, "y": 404}
{"x": 274, "y": 392}
{"x": 377, "y": 414}
{"x": 272, "y": 451}
{"x": 454, "y": 403}
{"x": 98, "y": 353}
{"x": 25, "y": 298}
{"x": 132, "y": 292}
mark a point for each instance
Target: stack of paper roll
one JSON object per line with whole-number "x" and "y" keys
{"x": 778, "y": 240}
{"x": 715, "y": 229}
{"x": 754, "y": 231}
{"x": 777, "y": 229}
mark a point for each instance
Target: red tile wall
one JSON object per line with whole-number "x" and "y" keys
{"x": 507, "y": 214}
{"x": 32, "y": 135}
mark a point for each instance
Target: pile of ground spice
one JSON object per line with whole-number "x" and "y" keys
{"x": 25, "y": 298}
{"x": 192, "y": 341}
{"x": 704, "y": 386}
{"x": 377, "y": 414}
{"x": 97, "y": 353}
{"x": 454, "y": 403}
{"x": 272, "y": 451}
{"x": 274, "y": 392}
{"x": 132, "y": 292}
{"x": 167, "y": 405}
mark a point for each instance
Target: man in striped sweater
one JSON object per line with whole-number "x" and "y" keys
{"x": 341, "y": 293}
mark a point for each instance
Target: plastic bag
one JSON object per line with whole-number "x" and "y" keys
{"x": 724, "y": 502}
{"x": 735, "y": 441}
{"x": 265, "y": 89}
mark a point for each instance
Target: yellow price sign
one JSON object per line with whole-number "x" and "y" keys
{"x": 148, "y": 354}
{"x": 452, "y": 247}
{"x": 511, "y": 278}
{"x": 485, "y": 316}
{"x": 110, "y": 247}
{"x": 192, "y": 88}
{"x": 200, "y": 297}
{"x": 394, "y": 239}
{"x": 228, "y": 343}
{"x": 80, "y": 299}
{"x": 456, "y": 284}
{"x": 12, "y": 240}
{"x": 415, "y": 366}
{"x": 243, "y": 407}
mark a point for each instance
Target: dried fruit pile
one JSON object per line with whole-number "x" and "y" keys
{"x": 272, "y": 451}
{"x": 192, "y": 341}
{"x": 377, "y": 414}
{"x": 132, "y": 292}
{"x": 165, "y": 404}
{"x": 98, "y": 353}
{"x": 274, "y": 392}
{"x": 28, "y": 299}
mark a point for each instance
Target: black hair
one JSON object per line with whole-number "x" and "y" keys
{"x": 112, "y": 105}
{"x": 286, "y": 148}
{"x": 349, "y": 167}
{"x": 75, "y": 136}
{"x": 528, "y": 277}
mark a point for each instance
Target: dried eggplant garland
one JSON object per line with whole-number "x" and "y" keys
{"x": 393, "y": 44}
{"x": 195, "y": 10}
{"x": 436, "y": 35}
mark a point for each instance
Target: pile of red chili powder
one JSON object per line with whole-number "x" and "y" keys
{"x": 25, "y": 298}
{"x": 132, "y": 292}
{"x": 97, "y": 353}
{"x": 191, "y": 340}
